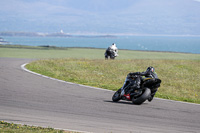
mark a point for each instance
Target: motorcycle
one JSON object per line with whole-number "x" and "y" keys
{"x": 110, "y": 53}
{"x": 146, "y": 91}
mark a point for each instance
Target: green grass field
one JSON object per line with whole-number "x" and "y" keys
{"x": 86, "y": 53}
{"x": 180, "y": 78}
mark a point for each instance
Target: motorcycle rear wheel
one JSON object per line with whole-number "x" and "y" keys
{"x": 145, "y": 95}
{"x": 116, "y": 96}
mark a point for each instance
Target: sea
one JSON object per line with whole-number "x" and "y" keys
{"x": 183, "y": 44}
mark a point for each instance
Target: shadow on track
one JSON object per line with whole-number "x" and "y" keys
{"x": 124, "y": 102}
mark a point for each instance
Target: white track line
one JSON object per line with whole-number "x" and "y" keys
{"x": 23, "y": 67}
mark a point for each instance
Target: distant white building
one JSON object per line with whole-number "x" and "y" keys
{"x": 2, "y": 41}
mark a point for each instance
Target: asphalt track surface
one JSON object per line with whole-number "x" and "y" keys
{"x": 30, "y": 99}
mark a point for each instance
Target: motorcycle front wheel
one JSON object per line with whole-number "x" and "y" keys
{"x": 116, "y": 96}
{"x": 112, "y": 57}
{"x": 145, "y": 95}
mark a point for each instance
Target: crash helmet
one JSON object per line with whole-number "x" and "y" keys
{"x": 150, "y": 69}
{"x": 114, "y": 44}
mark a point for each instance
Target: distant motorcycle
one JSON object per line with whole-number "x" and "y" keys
{"x": 137, "y": 95}
{"x": 110, "y": 53}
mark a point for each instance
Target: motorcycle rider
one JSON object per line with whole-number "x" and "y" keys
{"x": 137, "y": 77}
{"x": 111, "y": 51}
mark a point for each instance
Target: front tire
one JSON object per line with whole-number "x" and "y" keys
{"x": 116, "y": 96}
{"x": 145, "y": 95}
{"x": 112, "y": 57}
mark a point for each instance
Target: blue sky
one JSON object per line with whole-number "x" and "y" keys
{"x": 102, "y": 16}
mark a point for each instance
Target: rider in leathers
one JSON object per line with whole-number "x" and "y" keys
{"x": 111, "y": 51}
{"x": 150, "y": 72}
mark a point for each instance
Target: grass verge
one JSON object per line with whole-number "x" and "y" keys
{"x": 6, "y": 127}
{"x": 180, "y": 78}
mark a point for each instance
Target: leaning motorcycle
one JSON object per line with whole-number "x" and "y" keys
{"x": 110, "y": 53}
{"x": 137, "y": 95}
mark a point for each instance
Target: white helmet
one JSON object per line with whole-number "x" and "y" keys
{"x": 114, "y": 44}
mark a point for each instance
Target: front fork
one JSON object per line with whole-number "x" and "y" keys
{"x": 125, "y": 86}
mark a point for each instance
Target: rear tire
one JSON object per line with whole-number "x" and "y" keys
{"x": 146, "y": 94}
{"x": 116, "y": 96}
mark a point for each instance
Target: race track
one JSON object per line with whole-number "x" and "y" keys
{"x": 34, "y": 100}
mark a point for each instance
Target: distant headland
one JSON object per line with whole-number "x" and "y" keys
{"x": 57, "y": 34}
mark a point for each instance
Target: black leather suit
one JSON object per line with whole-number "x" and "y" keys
{"x": 138, "y": 77}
